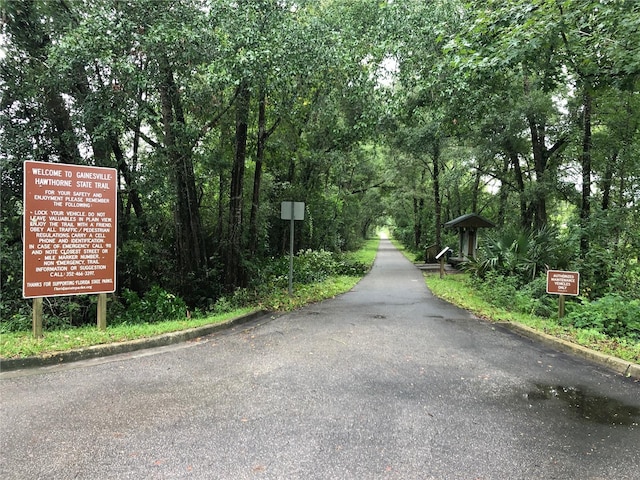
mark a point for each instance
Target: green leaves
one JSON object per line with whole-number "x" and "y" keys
{"x": 488, "y": 93}
{"x": 613, "y": 315}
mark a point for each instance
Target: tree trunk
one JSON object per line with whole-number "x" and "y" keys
{"x": 607, "y": 180}
{"x": 585, "y": 210}
{"x": 503, "y": 194}
{"x": 234, "y": 271}
{"x": 418, "y": 206}
{"x": 222, "y": 206}
{"x": 539, "y": 202}
{"x": 189, "y": 240}
{"x": 257, "y": 176}
{"x": 475, "y": 192}
{"x": 263, "y": 136}
{"x": 223, "y": 187}
{"x": 437, "y": 203}
{"x": 64, "y": 136}
{"x": 125, "y": 172}
{"x": 541, "y": 156}
{"x": 526, "y": 219}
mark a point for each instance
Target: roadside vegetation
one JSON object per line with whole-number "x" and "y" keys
{"x": 318, "y": 275}
{"x": 484, "y": 302}
{"x": 398, "y": 114}
{"x": 501, "y": 286}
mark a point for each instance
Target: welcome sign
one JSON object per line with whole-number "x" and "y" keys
{"x": 69, "y": 229}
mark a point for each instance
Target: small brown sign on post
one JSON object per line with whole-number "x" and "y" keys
{"x": 69, "y": 229}
{"x": 563, "y": 283}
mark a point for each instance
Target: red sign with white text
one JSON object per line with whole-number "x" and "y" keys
{"x": 563, "y": 283}
{"x": 69, "y": 229}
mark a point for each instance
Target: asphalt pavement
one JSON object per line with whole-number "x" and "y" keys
{"x": 384, "y": 382}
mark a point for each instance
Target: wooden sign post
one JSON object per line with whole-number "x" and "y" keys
{"x": 441, "y": 257}
{"x": 36, "y": 317}
{"x": 562, "y": 283}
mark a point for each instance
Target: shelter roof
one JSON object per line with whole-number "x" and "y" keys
{"x": 470, "y": 220}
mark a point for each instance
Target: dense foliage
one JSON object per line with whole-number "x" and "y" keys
{"x": 527, "y": 113}
{"x": 404, "y": 113}
{"x": 213, "y": 112}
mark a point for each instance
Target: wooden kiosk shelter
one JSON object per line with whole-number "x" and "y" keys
{"x": 467, "y": 226}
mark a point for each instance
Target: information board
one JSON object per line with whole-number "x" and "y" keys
{"x": 69, "y": 229}
{"x": 563, "y": 283}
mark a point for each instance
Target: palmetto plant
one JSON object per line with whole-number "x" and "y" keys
{"x": 513, "y": 252}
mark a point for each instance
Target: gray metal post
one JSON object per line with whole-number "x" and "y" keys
{"x": 291, "y": 252}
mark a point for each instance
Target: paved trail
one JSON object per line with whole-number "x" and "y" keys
{"x": 384, "y": 382}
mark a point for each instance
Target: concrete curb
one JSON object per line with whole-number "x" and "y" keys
{"x": 623, "y": 367}
{"x": 95, "y": 351}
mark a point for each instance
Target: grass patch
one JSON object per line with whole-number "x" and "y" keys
{"x": 304, "y": 294}
{"x": 458, "y": 290}
{"x": 23, "y": 344}
{"x": 367, "y": 253}
{"x": 407, "y": 254}
{"x": 309, "y": 293}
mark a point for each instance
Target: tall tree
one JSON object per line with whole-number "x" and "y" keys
{"x": 31, "y": 28}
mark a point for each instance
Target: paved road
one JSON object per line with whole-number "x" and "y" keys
{"x": 385, "y": 382}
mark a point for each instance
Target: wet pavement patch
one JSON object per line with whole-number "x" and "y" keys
{"x": 585, "y": 405}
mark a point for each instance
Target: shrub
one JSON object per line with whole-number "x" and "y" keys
{"x": 18, "y": 322}
{"x": 349, "y": 266}
{"x": 15, "y": 313}
{"x": 500, "y": 290}
{"x": 606, "y": 270}
{"x": 514, "y": 252}
{"x": 508, "y": 292}
{"x": 313, "y": 266}
{"x": 309, "y": 266}
{"x": 534, "y": 299}
{"x": 613, "y": 315}
{"x": 57, "y": 313}
{"x": 156, "y": 305}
